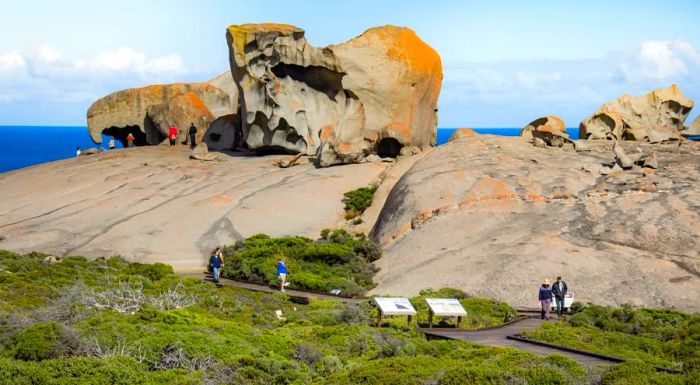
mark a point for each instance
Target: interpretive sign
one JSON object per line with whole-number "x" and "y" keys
{"x": 447, "y": 307}
{"x": 395, "y": 306}
{"x": 568, "y": 300}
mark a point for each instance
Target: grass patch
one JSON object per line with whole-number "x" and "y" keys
{"x": 339, "y": 260}
{"x": 357, "y": 201}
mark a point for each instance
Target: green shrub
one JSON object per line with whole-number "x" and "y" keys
{"x": 154, "y": 272}
{"x": 357, "y": 201}
{"x": 36, "y": 342}
{"x": 339, "y": 260}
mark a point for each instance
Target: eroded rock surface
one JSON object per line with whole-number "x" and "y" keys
{"x": 546, "y": 131}
{"x": 461, "y": 133}
{"x": 693, "y": 129}
{"x": 373, "y": 94}
{"x": 148, "y": 112}
{"x": 153, "y": 204}
{"x": 655, "y": 117}
{"x": 495, "y": 215}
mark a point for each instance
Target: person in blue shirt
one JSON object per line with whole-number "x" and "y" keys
{"x": 216, "y": 262}
{"x": 282, "y": 272}
{"x": 545, "y": 297}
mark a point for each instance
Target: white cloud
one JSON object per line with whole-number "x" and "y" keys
{"x": 11, "y": 61}
{"x": 660, "y": 60}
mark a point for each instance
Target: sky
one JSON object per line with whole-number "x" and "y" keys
{"x": 505, "y": 63}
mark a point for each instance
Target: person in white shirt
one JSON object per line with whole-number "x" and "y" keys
{"x": 77, "y": 151}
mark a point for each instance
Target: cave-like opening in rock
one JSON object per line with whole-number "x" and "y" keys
{"x": 153, "y": 133}
{"x": 120, "y": 134}
{"x": 389, "y": 148}
{"x": 318, "y": 78}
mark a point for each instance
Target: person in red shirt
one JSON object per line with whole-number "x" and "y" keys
{"x": 130, "y": 140}
{"x": 172, "y": 134}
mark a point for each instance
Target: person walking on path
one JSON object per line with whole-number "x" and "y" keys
{"x": 112, "y": 146}
{"x": 545, "y": 297}
{"x": 216, "y": 263}
{"x": 282, "y": 272}
{"x": 559, "y": 290}
{"x": 192, "y": 132}
{"x": 172, "y": 134}
{"x": 130, "y": 140}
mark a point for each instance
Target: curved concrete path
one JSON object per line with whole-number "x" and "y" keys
{"x": 497, "y": 337}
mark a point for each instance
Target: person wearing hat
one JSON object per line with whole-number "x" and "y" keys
{"x": 545, "y": 297}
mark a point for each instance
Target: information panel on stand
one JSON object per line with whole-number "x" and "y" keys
{"x": 395, "y": 306}
{"x": 448, "y": 307}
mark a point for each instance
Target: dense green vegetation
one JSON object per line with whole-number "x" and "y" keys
{"x": 357, "y": 201}
{"x": 111, "y": 322}
{"x": 339, "y": 260}
{"x": 660, "y": 337}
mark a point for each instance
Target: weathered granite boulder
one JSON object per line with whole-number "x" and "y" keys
{"x": 547, "y": 130}
{"x": 147, "y": 112}
{"x": 373, "y": 94}
{"x": 461, "y": 133}
{"x": 655, "y": 117}
{"x": 693, "y": 129}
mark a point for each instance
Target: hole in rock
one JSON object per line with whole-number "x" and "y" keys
{"x": 120, "y": 134}
{"x": 389, "y": 148}
{"x": 319, "y": 78}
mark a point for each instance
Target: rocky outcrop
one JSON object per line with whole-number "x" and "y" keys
{"x": 493, "y": 216}
{"x": 693, "y": 129}
{"x": 655, "y": 117}
{"x": 546, "y": 131}
{"x": 461, "y": 133}
{"x": 148, "y": 112}
{"x": 373, "y": 94}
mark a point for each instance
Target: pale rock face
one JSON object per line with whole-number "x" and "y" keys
{"x": 693, "y": 129}
{"x": 148, "y": 112}
{"x": 655, "y": 117}
{"x": 373, "y": 94}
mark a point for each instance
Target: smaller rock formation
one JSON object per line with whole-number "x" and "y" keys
{"x": 693, "y": 129}
{"x": 201, "y": 152}
{"x": 655, "y": 117}
{"x": 148, "y": 112}
{"x": 461, "y": 133}
{"x": 628, "y": 161}
{"x": 550, "y": 130}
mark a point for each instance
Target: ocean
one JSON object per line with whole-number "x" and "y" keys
{"x": 23, "y": 146}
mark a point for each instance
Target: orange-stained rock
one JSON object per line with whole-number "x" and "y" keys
{"x": 655, "y": 117}
{"x": 552, "y": 124}
{"x": 461, "y": 133}
{"x": 342, "y": 102}
{"x": 149, "y": 111}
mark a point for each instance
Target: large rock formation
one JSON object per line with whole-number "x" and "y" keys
{"x": 373, "y": 94}
{"x": 655, "y": 117}
{"x": 693, "y": 129}
{"x": 548, "y": 130}
{"x": 148, "y": 112}
{"x": 461, "y": 133}
{"x": 494, "y": 215}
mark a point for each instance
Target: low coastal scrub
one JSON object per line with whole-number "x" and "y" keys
{"x": 338, "y": 260}
{"x": 357, "y": 201}
{"x": 658, "y": 337}
{"x": 107, "y": 321}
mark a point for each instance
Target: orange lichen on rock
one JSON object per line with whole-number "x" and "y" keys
{"x": 400, "y": 128}
{"x": 488, "y": 188}
{"x": 461, "y": 133}
{"x": 405, "y": 45}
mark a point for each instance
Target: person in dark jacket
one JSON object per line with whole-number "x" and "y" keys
{"x": 216, "y": 263}
{"x": 559, "y": 291}
{"x": 545, "y": 297}
{"x": 192, "y": 132}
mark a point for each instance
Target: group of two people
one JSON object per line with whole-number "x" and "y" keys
{"x": 558, "y": 291}
{"x": 191, "y": 133}
{"x": 216, "y": 262}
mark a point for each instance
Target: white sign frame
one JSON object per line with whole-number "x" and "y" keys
{"x": 395, "y": 306}
{"x": 446, "y": 307}
{"x": 568, "y": 300}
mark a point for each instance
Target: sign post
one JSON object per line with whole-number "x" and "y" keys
{"x": 445, "y": 307}
{"x": 394, "y": 306}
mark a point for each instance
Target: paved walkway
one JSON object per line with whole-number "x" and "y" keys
{"x": 497, "y": 337}
{"x": 299, "y": 294}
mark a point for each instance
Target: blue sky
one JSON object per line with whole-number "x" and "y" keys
{"x": 505, "y": 62}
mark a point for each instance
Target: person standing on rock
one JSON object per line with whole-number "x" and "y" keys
{"x": 192, "y": 132}
{"x": 112, "y": 146}
{"x": 216, "y": 264}
{"x": 130, "y": 140}
{"x": 172, "y": 134}
{"x": 282, "y": 272}
{"x": 545, "y": 297}
{"x": 559, "y": 290}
